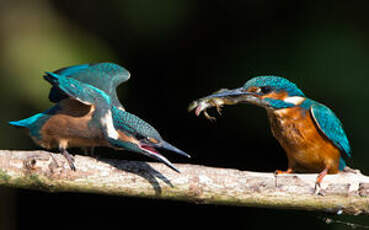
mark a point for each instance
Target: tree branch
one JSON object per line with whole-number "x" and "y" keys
{"x": 344, "y": 193}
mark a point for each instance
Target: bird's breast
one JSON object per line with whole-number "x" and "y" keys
{"x": 72, "y": 126}
{"x": 307, "y": 149}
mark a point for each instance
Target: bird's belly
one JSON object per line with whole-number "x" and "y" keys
{"x": 71, "y": 130}
{"x": 307, "y": 149}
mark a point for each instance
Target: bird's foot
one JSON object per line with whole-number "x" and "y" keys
{"x": 278, "y": 172}
{"x": 69, "y": 158}
{"x": 317, "y": 187}
{"x": 318, "y": 190}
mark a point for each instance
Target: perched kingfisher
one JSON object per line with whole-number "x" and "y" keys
{"x": 89, "y": 114}
{"x": 309, "y": 132}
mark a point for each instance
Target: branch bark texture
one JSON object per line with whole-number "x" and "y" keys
{"x": 343, "y": 193}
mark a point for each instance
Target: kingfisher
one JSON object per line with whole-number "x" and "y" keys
{"x": 309, "y": 132}
{"x": 88, "y": 113}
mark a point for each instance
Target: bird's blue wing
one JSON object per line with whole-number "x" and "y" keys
{"x": 80, "y": 91}
{"x": 55, "y": 94}
{"x": 104, "y": 76}
{"x": 331, "y": 126}
{"x": 70, "y": 70}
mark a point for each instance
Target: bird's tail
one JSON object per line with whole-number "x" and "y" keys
{"x": 28, "y": 122}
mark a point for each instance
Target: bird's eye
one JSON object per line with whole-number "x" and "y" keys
{"x": 266, "y": 89}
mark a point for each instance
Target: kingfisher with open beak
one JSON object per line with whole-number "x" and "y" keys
{"x": 88, "y": 114}
{"x": 308, "y": 131}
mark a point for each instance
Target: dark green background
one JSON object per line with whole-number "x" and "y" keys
{"x": 179, "y": 50}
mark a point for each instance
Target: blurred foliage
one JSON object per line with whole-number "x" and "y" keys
{"x": 181, "y": 50}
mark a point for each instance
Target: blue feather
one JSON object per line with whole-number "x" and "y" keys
{"x": 277, "y": 83}
{"x": 342, "y": 164}
{"x": 104, "y": 76}
{"x": 33, "y": 123}
{"x": 67, "y": 71}
{"x": 27, "y": 122}
{"x": 130, "y": 123}
{"x": 85, "y": 93}
{"x": 331, "y": 126}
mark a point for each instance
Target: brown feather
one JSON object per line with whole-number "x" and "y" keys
{"x": 69, "y": 127}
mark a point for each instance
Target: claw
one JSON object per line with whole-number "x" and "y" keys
{"x": 317, "y": 188}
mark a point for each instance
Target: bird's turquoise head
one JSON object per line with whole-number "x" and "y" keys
{"x": 271, "y": 92}
{"x": 273, "y": 84}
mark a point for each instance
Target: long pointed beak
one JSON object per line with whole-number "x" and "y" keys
{"x": 150, "y": 151}
{"x": 237, "y": 95}
{"x": 231, "y": 93}
{"x": 164, "y": 160}
{"x": 167, "y": 146}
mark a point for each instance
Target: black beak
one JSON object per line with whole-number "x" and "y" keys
{"x": 164, "y": 160}
{"x": 233, "y": 93}
{"x": 239, "y": 95}
{"x": 150, "y": 150}
{"x": 165, "y": 145}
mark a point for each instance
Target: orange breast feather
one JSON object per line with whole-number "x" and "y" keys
{"x": 69, "y": 126}
{"x": 308, "y": 150}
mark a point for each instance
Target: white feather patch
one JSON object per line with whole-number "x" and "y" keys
{"x": 107, "y": 122}
{"x": 296, "y": 100}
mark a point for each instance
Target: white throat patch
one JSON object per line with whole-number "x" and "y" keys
{"x": 296, "y": 100}
{"x": 107, "y": 122}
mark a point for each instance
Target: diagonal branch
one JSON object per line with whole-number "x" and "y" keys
{"x": 344, "y": 193}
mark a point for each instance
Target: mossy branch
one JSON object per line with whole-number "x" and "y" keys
{"x": 344, "y": 193}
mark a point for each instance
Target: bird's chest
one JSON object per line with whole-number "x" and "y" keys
{"x": 297, "y": 134}
{"x": 290, "y": 126}
{"x": 73, "y": 126}
{"x": 306, "y": 148}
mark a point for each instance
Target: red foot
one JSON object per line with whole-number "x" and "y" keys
{"x": 319, "y": 179}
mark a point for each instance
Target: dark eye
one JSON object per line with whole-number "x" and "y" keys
{"x": 266, "y": 89}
